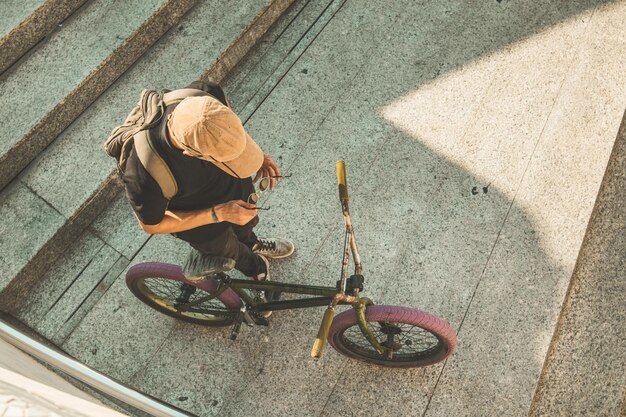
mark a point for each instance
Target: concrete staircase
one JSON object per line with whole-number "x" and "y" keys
{"x": 62, "y": 76}
{"x": 24, "y": 23}
{"x": 94, "y": 259}
{"x": 66, "y": 93}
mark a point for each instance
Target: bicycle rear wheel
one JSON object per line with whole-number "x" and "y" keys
{"x": 164, "y": 288}
{"x": 416, "y": 338}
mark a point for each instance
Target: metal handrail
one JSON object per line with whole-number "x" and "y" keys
{"x": 93, "y": 378}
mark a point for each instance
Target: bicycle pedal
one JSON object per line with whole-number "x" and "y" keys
{"x": 235, "y": 330}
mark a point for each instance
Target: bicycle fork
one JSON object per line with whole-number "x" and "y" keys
{"x": 359, "y": 304}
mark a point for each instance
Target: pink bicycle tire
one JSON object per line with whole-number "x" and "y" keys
{"x": 434, "y": 329}
{"x": 138, "y": 273}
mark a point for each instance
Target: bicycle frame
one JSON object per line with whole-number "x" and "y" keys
{"x": 326, "y": 296}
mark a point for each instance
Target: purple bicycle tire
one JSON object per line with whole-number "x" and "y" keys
{"x": 229, "y": 298}
{"x": 433, "y": 324}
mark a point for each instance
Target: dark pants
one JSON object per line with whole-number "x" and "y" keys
{"x": 235, "y": 242}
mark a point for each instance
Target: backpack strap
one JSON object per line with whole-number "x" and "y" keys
{"x": 176, "y": 96}
{"x": 154, "y": 164}
{"x": 147, "y": 154}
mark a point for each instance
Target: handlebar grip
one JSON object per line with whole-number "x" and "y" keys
{"x": 322, "y": 334}
{"x": 342, "y": 180}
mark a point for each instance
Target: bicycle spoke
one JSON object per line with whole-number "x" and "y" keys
{"x": 200, "y": 304}
{"x": 413, "y": 341}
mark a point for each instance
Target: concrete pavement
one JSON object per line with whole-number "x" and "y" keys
{"x": 476, "y": 139}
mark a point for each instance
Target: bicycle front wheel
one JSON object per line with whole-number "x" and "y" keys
{"x": 164, "y": 288}
{"x": 415, "y": 338}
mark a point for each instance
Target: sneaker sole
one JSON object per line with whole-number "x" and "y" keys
{"x": 278, "y": 256}
{"x": 266, "y": 314}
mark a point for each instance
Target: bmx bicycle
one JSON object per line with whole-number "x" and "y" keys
{"x": 390, "y": 336}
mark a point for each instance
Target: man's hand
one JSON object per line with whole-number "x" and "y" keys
{"x": 268, "y": 169}
{"x": 235, "y": 211}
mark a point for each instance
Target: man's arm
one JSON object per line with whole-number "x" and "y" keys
{"x": 236, "y": 211}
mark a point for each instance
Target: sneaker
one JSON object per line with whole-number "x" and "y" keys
{"x": 273, "y": 248}
{"x": 259, "y": 295}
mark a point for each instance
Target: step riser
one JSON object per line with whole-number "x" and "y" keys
{"x": 57, "y": 120}
{"x": 34, "y": 28}
{"x": 594, "y": 290}
{"x": 18, "y": 288}
{"x": 248, "y": 38}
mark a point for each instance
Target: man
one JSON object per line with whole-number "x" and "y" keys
{"x": 212, "y": 159}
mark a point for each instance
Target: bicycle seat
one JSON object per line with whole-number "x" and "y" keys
{"x": 199, "y": 266}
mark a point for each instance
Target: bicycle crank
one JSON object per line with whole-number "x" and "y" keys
{"x": 186, "y": 291}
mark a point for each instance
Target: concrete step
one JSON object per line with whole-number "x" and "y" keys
{"x": 69, "y": 183}
{"x": 585, "y": 369}
{"x": 62, "y": 76}
{"x": 475, "y": 154}
{"x": 24, "y": 23}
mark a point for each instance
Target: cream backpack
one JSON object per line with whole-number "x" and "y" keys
{"x": 135, "y": 132}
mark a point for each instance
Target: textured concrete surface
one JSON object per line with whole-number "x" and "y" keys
{"x": 273, "y": 49}
{"x": 97, "y": 276}
{"x": 180, "y": 57}
{"x": 24, "y": 23}
{"x": 136, "y": 336}
{"x": 258, "y": 75}
{"x": 575, "y": 156}
{"x": 117, "y": 226}
{"x": 14, "y": 12}
{"x": 28, "y": 222}
{"x": 589, "y": 339}
{"x": 60, "y": 299}
{"x": 246, "y": 40}
{"x": 52, "y": 285}
{"x": 68, "y": 57}
{"x": 63, "y": 75}
{"x": 475, "y": 152}
{"x": 38, "y": 254}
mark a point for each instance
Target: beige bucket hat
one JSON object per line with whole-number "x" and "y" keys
{"x": 209, "y": 130}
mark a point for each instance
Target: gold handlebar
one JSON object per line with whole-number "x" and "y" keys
{"x": 342, "y": 181}
{"x": 322, "y": 334}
